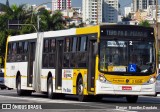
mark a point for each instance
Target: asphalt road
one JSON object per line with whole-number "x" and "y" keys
{"x": 39, "y": 102}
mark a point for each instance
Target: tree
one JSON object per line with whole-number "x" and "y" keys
{"x": 10, "y": 13}
{"x": 128, "y": 18}
{"x": 57, "y": 21}
{"x": 27, "y": 16}
{"x": 49, "y": 21}
{"x": 144, "y": 23}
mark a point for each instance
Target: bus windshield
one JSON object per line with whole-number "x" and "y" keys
{"x": 127, "y": 56}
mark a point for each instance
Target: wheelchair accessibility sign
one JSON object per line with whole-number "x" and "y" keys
{"x": 132, "y": 68}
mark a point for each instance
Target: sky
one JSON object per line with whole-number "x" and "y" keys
{"x": 75, "y": 3}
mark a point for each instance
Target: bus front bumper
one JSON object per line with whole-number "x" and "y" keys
{"x": 113, "y": 89}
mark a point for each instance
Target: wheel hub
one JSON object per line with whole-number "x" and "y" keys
{"x": 80, "y": 89}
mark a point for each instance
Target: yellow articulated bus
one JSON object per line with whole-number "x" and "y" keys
{"x": 91, "y": 61}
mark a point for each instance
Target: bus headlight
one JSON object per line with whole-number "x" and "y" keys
{"x": 102, "y": 79}
{"x": 150, "y": 81}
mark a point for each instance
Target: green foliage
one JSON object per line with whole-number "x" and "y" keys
{"x": 128, "y": 18}
{"x": 144, "y": 23}
{"x": 72, "y": 25}
{"x": 27, "y": 16}
{"x": 57, "y": 21}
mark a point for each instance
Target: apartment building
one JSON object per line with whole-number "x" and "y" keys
{"x": 61, "y": 4}
{"x": 142, "y": 4}
{"x": 92, "y": 11}
{"x": 110, "y": 11}
{"x": 100, "y": 11}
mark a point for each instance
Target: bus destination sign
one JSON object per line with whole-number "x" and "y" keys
{"x": 127, "y": 33}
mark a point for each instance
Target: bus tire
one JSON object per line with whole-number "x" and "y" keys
{"x": 156, "y": 94}
{"x": 10, "y": 88}
{"x": 131, "y": 99}
{"x": 50, "y": 88}
{"x": 28, "y": 93}
{"x": 20, "y": 92}
{"x": 98, "y": 98}
{"x": 80, "y": 89}
{"x": 2, "y": 88}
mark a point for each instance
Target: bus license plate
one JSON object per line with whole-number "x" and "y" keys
{"x": 126, "y": 88}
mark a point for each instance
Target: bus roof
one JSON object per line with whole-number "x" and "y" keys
{"x": 46, "y": 34}
{"x": 59, "y": 33}
{"x": 73, "y": 31}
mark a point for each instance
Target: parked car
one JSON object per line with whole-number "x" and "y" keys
{"x": 2, "y": 86}
{"x": 158, "y": 85}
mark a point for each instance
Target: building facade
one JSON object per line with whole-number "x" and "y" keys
{"x": 142, "y": 4}
{"x": 92, "y": 11}
{"x": 127, "y": 10}
{"x": 110, "y": 11}
{"x": 152, "y": 12}
{"x": 61, "y": 4}
{"x": 100, "y": 11}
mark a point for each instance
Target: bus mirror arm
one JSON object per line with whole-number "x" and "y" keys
{"x": 96, "y": 48}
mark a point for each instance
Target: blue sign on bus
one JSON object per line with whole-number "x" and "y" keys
{"x": 132, "y": 68}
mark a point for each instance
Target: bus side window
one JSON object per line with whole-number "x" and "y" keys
{"x": 74, "y": 44}
{"x": 82, "y": 54}
{"x": 46, "y": 45}
{"x": 9, "y": 48}
{"x": 67, "y": 45}
{"x": 14, "y": 51}
{"x": 25, "y": 47}
{"x": 52, "y": 49}
{"x": 82, "y": 44}
{"x": 45, "y": 53}
{"x": 73, "y": 56}
{"x": 52, "y": 45}
{"x": 9, "y": 52}
{"x": 25, "y": 51}
{"x": 67, "y": 52}
{"x": 19, "y": 48}
{"x": 19, "y": 51}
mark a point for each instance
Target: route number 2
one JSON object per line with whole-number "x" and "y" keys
{"x": 130, "y": 43}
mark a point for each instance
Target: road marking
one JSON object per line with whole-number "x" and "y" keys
{"x": 40, "y": 99}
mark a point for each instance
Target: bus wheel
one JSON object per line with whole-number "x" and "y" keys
{"x": 156, "y": 95}
{"x": 10, "y": 88}
{"x": 80, "y": 89}
{"x": 98, "y": 98}
{"x": 28, "y": 93}
{"x": 50, "y": 88}
{"x": 20, "y": 92}
{"x": 132, "y": 99}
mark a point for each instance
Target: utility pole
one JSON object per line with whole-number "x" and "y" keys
{"x": 97, "y": 12}
{"x": 38, "y": 20}
{"x": 157, "y": 19}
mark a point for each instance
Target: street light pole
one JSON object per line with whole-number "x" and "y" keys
{"x": 38, "y": 8}
{"x": 97, "y": 12}
{"x": 38, "y": 20}
{"x": 157, "y": 19}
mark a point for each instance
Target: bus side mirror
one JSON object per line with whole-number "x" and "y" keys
{"x": 95, "y": 48}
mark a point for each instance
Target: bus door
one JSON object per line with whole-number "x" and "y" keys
{"x": 59, "y": 58}
{"x": 91, "y": 66}
{"x": 31, "y": 58}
